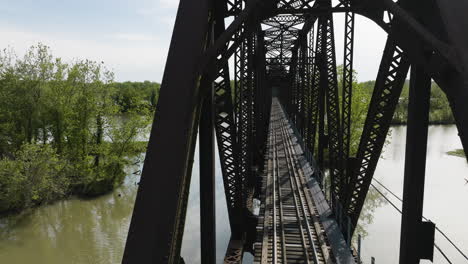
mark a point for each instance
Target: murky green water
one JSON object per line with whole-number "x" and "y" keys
{"x": 445, "y": 198}
{"x": 94, "y": 231}
{"x": 70, "y": 231}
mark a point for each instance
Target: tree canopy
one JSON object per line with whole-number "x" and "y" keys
{"x": 66, "y": 127}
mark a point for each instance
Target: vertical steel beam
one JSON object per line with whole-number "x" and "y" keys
{"x": 412, "y": 244}
{"x": 388, "y": 85}
{"x": 347, "y": 81}
{"x": 315, "y": 92}
{"x": 329, "y": 83}
{"x": 207, "y": 181}
{"x": 158, "y": 219}
{"x": 322, "y": 142}
{"x": 303, "y": 87}
{"x": 228, "y": 148}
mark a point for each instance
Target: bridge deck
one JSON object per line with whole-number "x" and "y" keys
{"x": 294, "y": 224}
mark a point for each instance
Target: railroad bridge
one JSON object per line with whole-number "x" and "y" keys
{"x": 260, "y": 78}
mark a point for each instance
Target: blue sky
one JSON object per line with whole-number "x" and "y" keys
{"x": 132, "y": 36}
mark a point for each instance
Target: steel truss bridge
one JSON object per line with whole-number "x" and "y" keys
{"x": 285, "y": 119}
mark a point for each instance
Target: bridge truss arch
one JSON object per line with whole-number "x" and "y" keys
{"x": 286, "y": 48}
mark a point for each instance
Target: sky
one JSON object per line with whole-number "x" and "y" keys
{"x": 132, "y": 36}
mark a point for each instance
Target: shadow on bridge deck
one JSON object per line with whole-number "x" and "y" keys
{"x": 295, "y": 221}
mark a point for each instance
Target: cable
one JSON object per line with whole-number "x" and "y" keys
{"x": 388, "y": 200}
{"x": 398, "y": 209}
{"x": 440, "y": 231}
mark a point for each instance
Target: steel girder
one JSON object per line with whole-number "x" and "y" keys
{"x": 226, "y": 138}
{"x": 281, "y": 52}
{"x": 407, "y": 34}
{"x": 244, "y": 106}
{"x": 158, "y": 219}
{"x": 347, "y": 80}
{"x": 389, "y": 83}
{"x": 311, "y": 95}
{"x": 251, "y": 104}
{"x": 316, "y": 95}
{"x": 329, "y": 83}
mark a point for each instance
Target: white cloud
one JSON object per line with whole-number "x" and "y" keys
{"x": 168, "y": 3}
{"x": 155, "y": 7}
{"x": 131, "y": 56}
{"x": 369, "y": 42}
{"x": 142, "y": 55}
{"x": 134, "y": 37}
{"x": 161, "y": 13}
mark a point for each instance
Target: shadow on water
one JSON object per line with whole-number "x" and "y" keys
{"x": 373, "y": 201}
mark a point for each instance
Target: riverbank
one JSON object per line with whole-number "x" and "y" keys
{"x": 72, "y": 230}
{"x": 38, "y": 176}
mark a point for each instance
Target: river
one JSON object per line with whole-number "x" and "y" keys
{"x": 94, "y": 230}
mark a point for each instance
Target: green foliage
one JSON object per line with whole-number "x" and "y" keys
{"x": 440, "y": 111}
{"x": 361, "y": 95}
{"x": 458, "y": 153}
{"x": 37, "y": 175}
{"x": 136, "y": 96}
{"x": 65, "y": 128}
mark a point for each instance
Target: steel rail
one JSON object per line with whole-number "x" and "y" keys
{"x": 292, "y": 232}
{"x": 300, "y": 205}
{"x": 309, "y": 204}
{"x": 280, "y": 200}
{"x": 264, "y": 256}
{"x": 275, "y": 177}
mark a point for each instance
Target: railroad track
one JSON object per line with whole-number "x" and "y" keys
{"x": 290, "y": 230}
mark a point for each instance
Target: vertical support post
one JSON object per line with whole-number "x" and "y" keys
{"x": 359, "y": 249}
{"x": 414, "y": 240}
{"x": 347, "y": 90}
{"x": 322, "y": 83}
{"x": 207, "y": 181}
{"x": 348, "y": 230}
{"x": 158, "y": 220}
{"x": 329, "y": 82}
{"x": 347, "y": 81}
{"x": 321, "y": 117}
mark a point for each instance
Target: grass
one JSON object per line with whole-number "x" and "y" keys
{"x": 457, "y": 153}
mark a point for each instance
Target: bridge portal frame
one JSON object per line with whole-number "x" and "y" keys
{"x": 158, "y": 220}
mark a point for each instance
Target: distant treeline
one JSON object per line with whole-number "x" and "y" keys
{"x": 439, "y": 113}
{"x": 136, "y": 96}
{"x": 66, "y": 127}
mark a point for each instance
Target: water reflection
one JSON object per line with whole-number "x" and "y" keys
{"x": 444, "y": 199}
{"x": 191, "y": 242}
{"x": 71, "y": 231}
{"x": 373, "y": 201}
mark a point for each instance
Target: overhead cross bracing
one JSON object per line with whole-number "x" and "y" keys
{"x": 281, "y": 33}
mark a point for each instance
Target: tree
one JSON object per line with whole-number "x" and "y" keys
{"x": 64, "y": 127}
